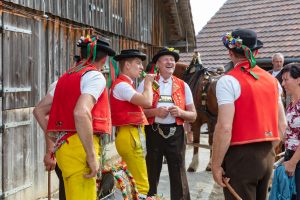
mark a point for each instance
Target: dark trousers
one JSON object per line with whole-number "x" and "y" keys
{"x": 288, "y": 155}
{"x": 249, "y": 168}
{"x": 173, "y": 148}
{"x": 62, "y": 195}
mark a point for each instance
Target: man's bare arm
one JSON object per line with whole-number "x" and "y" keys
{"x": 145, "y": 98}
{"x": 222, "y": 138}
{"x": 41, "y": 114}
{"x": 84, "y": 127}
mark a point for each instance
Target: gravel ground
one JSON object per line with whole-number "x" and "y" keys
{"x": 201, "y": 183}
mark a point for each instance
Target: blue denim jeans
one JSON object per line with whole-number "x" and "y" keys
{"x": 288, "y": 155}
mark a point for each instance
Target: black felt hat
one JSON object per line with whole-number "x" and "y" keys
{"x": 130, "y": 53}
{"x": 245, "y": 37}
{"x": 102, "y": 45}
{"x": 166, "y": 51}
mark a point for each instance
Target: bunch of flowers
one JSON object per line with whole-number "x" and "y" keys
{"x": 84, "y": 40}
{"x": 232, "y": 42}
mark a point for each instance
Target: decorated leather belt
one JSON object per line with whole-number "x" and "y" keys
{"x": 165, "y": 130}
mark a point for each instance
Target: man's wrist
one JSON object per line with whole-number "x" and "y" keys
{"x": 216, "y": 165}
{"x": 91, "y": 155}
{"x": 49, "y": 149}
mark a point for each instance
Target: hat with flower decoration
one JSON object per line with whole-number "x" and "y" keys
{"x": 91, "y": 41}
{"x": 239, "y": 37}
{"x": 92, "y": 45}
{"x": 243, "y": 41}
{"x": 166, "y": 51}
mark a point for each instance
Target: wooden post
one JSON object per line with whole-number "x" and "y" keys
{"x": 231, "y": 190}
{"x": 49, "y": 185}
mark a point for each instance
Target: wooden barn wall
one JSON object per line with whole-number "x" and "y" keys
{"x": 35, "y": 52}
{"x": 135, "y": 19}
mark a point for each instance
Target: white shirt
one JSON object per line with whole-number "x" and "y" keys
{"x": 51, "y": 88}
{"x": 228, "y": 90}
{"x": 124, "y": 91}
{"x": 165, "y": 89}
{"x": 92, "y": 82}
{"x": 275, "y": 73}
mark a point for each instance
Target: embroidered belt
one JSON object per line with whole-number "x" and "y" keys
{"x": 61, "y": 138}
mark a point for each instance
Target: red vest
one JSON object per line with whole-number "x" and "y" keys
{"x": 123, "y": 112}
{"x": 66, "y": 94}
{"x": 178, "y": 96}
{"x": 256, "y": 110}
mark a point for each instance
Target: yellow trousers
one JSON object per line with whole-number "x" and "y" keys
{"x": 71, "y": 159}
{"x": 129, "y": 147}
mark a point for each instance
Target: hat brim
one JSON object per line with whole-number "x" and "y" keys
{"x": 108, "y": 50}
{"x": 123, "y": 56}
{"x": 171, "y": 53}
{"x": 259, "y": 44}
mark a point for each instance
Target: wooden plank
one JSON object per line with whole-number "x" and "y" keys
{"x": 63, "y": 49}
{"x": 38, "y": 4}
{"x": 85, "y": 11}
{"x": 150, "y": 22}
{"x": 113, "y": 14}
{"x": 56, "y": 59}
{"x": 99, "y": 14}
{"x": 121, "y": 18}
{"x": 139, "y": 19}
{"x": 1, "y": 66}
{"x": 72, "y": 45}
{"x": 18, "y": 157}
{"x": 50, "y": 53}
{"x": 64, "y": 9}
{"x": 78, "y": 11}
{"x": 121, "y": 23}
{"x": 1, "y": 157}
{"x": 68, "y": 14}
{"x": 109, "y": 16}
{"x": 71, "y": 10}
{"x": 19, "y": 52}
{"x": 94, "y": 13}
{"x": 68, "y": 57}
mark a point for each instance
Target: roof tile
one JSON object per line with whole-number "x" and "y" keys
{"x": 276, "y": 22}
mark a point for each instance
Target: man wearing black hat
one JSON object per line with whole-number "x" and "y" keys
{"x": 127, "y": 115}
{"x": 172, "y": 105}
{"x": 79, "y": 114}
{"x": 250, "y": 121}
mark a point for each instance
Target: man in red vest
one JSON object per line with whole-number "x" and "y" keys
{"x": 127, "y": 115}
{"x": 250, "y": 120}
{"x": 41, "y": 113}
{"x": 172, "y": 105}
{"x": 79, "y": 114}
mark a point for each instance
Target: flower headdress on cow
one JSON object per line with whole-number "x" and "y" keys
{"x": 243, "y": 41}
